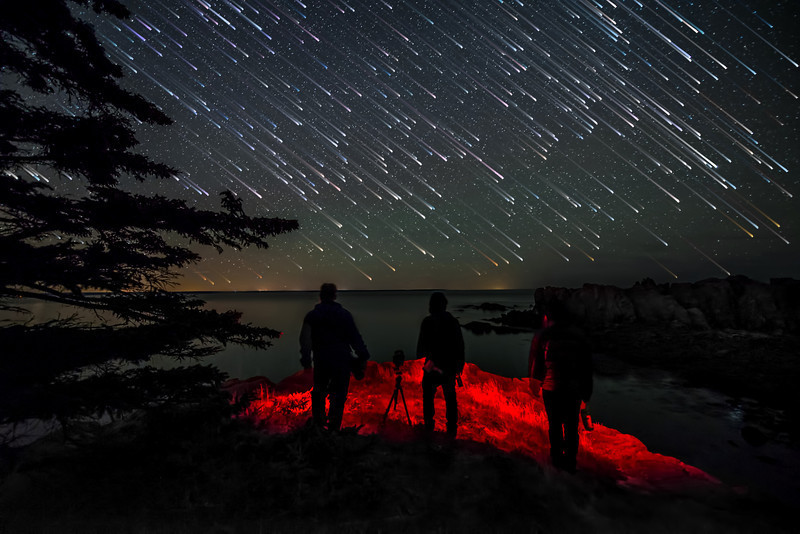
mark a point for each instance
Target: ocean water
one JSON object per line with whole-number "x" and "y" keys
{"x": 387, "y": 320}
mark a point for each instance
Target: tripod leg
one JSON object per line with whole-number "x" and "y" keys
{"x": 392, "y": 400}
{"x": 403, "y": 395}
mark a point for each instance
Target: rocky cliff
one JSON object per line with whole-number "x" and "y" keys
{"x": 736, "y": 302}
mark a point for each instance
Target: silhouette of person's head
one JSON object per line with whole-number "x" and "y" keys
{"x": 327, "y": 292}
{"x": 438, "y": 302}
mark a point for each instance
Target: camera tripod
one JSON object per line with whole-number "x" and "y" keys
{"x": 398, "y": 391}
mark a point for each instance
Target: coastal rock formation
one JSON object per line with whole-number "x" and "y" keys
{"x": 495, "y": 410}
{"x": 736, "y": 302}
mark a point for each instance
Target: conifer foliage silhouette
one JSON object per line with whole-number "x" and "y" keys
{"x": 72, "y": 235}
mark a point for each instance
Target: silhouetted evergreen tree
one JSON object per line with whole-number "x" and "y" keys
{"x": 105, "y": 253}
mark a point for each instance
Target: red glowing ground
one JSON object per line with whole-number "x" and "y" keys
{"x": 492, "y": 409}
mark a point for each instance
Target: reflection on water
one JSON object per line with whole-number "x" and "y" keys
{"x": 699, "y": 426}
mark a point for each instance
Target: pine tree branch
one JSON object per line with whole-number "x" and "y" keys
{"x": 105, "y": 252}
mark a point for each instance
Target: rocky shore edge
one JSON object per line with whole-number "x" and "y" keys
{"x": 736, "y": 335}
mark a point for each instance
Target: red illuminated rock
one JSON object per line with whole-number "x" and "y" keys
{"x": 496, "y": 410}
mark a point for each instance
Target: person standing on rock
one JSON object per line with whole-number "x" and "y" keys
{"x": 441, "y": 343}
{"x": 560, "y": 370}
{"x": 329, "y": 333}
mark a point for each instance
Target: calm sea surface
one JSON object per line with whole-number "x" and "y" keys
{"x": 698, "y": 426}
{"x": 387, "y": 320}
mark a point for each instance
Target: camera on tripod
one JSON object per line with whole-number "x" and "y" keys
{"x": 398, "y": 359}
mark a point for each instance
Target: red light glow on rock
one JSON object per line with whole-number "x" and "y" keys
{"x": 495, "y": 410}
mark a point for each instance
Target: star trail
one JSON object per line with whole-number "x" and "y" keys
{"x": 478, "y": 144}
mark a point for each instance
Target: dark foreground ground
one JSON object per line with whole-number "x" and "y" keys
{"x": 186, "y": 473}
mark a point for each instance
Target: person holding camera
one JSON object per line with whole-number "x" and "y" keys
{"x": 329, "y": 333}
{"x": 441, "y": 343}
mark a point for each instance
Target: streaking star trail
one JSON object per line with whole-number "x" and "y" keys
{"x": 479, "y": 144}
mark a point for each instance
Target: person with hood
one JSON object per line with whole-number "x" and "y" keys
{"x": 329, "y": 333}
{"x": 560, "y": 367}
{"x": 441, "y": 343}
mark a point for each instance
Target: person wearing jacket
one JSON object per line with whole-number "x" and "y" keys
{"x": 560, "y": 366}
{"x": 441, "y": 343}
{"x": 329, "y": 333}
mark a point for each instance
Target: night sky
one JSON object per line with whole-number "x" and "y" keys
{"x": 478, "y": 144}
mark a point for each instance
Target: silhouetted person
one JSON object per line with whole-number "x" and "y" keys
{"x": 442, "y": 345}
{"x": 330, "y": 333}
{"x": 560, "y": 365}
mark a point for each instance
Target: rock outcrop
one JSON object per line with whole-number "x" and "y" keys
{"x": 736, "y": 302}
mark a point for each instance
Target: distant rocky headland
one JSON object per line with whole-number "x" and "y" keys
{"x": 736, "y": 302}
